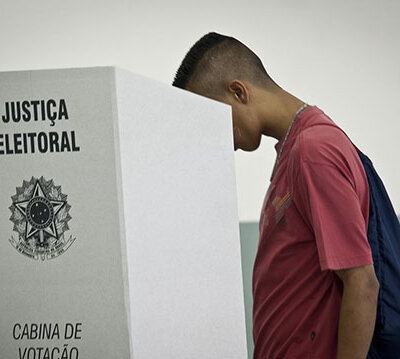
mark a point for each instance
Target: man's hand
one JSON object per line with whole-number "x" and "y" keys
{"x": 358, "y": 311}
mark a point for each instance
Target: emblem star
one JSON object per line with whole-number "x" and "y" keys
{"x": 40, "y": 213}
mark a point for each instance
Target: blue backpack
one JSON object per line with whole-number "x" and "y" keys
{"x": 384, "y": 240}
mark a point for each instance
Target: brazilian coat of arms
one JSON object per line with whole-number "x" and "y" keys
{"x": 40, "y": 213}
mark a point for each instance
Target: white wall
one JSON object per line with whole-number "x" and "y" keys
{"x": 341, "y": 55}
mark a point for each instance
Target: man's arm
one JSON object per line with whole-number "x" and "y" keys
{"x": 358, "y": 311}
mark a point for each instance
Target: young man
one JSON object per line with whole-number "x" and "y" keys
{"x": 314, "y": 286}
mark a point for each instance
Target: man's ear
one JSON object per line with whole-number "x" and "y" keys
{"x": 239, "y": 91}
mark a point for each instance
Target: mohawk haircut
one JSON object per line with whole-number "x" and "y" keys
{"x": 214, "y": 60}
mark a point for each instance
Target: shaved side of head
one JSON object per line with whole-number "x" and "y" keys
{"x": 216, "y": 59}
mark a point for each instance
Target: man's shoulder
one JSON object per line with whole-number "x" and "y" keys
{"x": 318, "y": 128}
{"x": 322, "y": 140}
{"x": 319, "y": 143}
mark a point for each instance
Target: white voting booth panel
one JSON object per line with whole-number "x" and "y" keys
{"x": 119, "y": 220}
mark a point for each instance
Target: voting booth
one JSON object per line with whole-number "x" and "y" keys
{"x": 119, "y": 222}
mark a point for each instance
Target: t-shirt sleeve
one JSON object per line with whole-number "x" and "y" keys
{"x": 331, "y": 206}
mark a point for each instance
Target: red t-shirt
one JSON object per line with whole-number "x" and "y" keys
{"x": 314, "y": 220}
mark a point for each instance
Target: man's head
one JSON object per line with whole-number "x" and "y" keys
{"x": 224, "y": 69}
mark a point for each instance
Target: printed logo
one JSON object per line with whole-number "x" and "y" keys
{"x": 281, "y": 204}
{"x": 40, "y": 213}
{"x": 274, "y": 206}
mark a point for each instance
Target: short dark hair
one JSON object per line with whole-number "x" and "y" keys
{"x": 216, "y": 58}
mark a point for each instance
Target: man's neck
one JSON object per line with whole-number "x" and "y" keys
{"x": 277, "y": 112}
